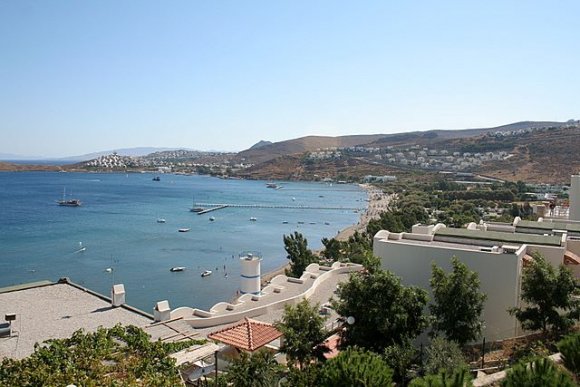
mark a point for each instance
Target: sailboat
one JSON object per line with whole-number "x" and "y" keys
{"x": 68, "y": 202}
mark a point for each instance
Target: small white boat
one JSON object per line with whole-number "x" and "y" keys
{"x": 177, "y": 268}
{"x": 253, "y": 219}
{"x": 183, "y": 229}
{"x": 206, "y": 273}
{"x": 160, "y": 220}
{"x": 81, "y": 248}
{"x": 109, "y": 269}
{"x": 284, "y": 222}
{"x": 211, "y": 218}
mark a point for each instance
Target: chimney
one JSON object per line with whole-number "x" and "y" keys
{"x": 162, "y": 311}
{"x": 118, "y": 295}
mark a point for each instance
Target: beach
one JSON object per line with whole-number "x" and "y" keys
{"x": 378, "y": 202}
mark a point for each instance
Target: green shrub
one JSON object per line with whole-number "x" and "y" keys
{"x": 539, "y": 373}
{"x": 443, "y": 355}
{"x": 570, "y": 349}
{"x": 459, "y": 378}
{"x": 355, "y": 367}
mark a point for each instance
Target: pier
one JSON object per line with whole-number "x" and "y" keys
{"x": 212, "y": 208}
{"x": 218, "y": 206}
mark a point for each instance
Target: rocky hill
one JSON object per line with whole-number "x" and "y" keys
{"x": 528, "y": 151}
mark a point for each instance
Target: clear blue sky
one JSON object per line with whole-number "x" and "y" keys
{"x": 84, "y": 76}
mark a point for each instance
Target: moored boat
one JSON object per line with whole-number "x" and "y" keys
{"x": 177, "y": 268}
{"x": 206, "y": 273}
{"x": 183, "y": 230}
{"x": 68, "y": 202}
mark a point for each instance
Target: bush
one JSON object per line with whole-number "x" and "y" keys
{"x": 444, "y": 356}
{"x": 460, "y": 378}
{"x": 539, "y": 373}
{"x": 570, "y": 349}
{"x": 355, "y": 367}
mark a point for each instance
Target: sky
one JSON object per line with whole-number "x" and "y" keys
{"x": 85, "y": 76}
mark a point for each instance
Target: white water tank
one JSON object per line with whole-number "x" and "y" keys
{"x": 250, "y": 273}
{"x": 574, "y": 194}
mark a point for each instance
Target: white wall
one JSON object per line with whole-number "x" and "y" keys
{"x": 499, "y": 275}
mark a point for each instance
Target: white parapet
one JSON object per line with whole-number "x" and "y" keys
{"x": 250, "y": 273}
{"x": 162, "y": 311}
{"x": 118, "y": 295}
{"x": 574, "y": 194}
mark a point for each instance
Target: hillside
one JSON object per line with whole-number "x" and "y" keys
{"x": 522, "y": 151}
{"x": 268, "y": 151}
{"x": 25, "y": 167}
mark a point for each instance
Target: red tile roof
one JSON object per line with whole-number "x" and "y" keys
{"x": 247, "y": 334}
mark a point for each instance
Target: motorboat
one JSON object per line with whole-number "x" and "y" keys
{"x": 272, "y": 185}
{"x": 183, "y": 229}
{"x": 206, "y": 273}
{"x": 156, "y": 178}
{"x": 160, "y": 220}
{"x": 284, "y": 222}
{"x": 211, "y": 218}
{"x": 197, "y": 209}
{"x": 253, "y": 219}
{"x": 327, "y": 223}
{"x": 177, "y": 268}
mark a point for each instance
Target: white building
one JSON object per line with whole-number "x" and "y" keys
{"x": 497, "y": 252}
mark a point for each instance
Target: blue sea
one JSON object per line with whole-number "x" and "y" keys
{"x": 117, "y": 226}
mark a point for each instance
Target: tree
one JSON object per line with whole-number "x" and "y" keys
{"x": 114, "y": 356}
{"x": 444, "y": 356}
{"x": 549, "y": 295}
{"x": 259, "y": 369}
{"x": 355, "y": 367}
{"x": 385, "y": 312}
{"x": 400, "y": 358}
{"x": 457, "y": 303}
{"x": 298, "y": 253}
{"x": 303, "y": 331}
{"x": 539, "y": 373}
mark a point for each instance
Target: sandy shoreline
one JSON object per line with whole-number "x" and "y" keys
{"x": 378, "y": 201}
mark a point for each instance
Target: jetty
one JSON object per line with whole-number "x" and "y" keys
{"x": 218, "y": 206}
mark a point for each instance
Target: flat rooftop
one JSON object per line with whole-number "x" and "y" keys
{"x": 47, "y": 310}
{"x": 549, "y": 226}
{"x": 499, "y": 236}
{"x": 447, "y": 245}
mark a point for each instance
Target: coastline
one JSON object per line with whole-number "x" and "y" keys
{"x": 377, "y": 200}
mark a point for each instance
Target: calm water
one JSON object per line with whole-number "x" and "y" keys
{"x": 118, "y": 226}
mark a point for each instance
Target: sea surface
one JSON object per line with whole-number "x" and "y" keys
{"x": 116, "y": 227}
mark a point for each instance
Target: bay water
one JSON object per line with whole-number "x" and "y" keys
{"x": 116, "y": 228}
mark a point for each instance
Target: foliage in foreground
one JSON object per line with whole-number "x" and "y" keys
{"x": 304, "y": 332}
{"x": 457, "y": 303}
{"x": 444, "y": 356}
{"x": 355, "y": 367}
{"x": 539, "y": 373}
{"x": 550, "y": 296}
{"x": 259, "y": 369}
{"x": 107, "y": 357}
{"x": 569, "y": 347}
{"x": 459, "y": 378}
{"x": 385, "y": 311}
